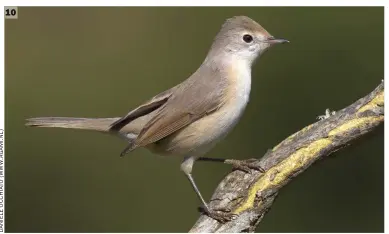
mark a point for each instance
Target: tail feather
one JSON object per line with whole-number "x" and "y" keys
{"x": 97, "y": 124}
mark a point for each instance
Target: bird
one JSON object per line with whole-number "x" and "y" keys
{"x": 188, "y": 119}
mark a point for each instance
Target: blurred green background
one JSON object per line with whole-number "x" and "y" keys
{"x": 101, "y": 62}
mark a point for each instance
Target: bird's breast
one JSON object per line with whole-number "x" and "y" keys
{"x": 200, "y": 136}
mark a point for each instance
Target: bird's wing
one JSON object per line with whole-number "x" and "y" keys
{"x": 197, "y": 97}
{"x": 144, "y": 109}
{"x": 167, "y": 122}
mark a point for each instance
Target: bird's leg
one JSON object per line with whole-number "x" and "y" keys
{"x": 186, "y": 167}
{"x": 242, "y": 165}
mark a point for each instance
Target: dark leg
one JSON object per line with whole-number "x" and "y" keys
{"x": 243, "y": 165}
{"x": 222, "y": 217}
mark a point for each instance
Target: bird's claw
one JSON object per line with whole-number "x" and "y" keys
{"x": 221, "y": 215}
{"x": 246, "y": 165}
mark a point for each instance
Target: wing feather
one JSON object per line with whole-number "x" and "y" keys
{"x": 157, "y": 130}
{"x": 144, "y": 109}
{"x": 199, "y": 95}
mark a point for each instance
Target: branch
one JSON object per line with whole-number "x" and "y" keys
{"x": 251, "y": 195}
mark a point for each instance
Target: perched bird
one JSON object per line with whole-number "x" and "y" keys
{"x": 190, "y": 118}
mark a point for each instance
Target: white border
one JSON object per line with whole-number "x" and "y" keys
{"x": 386, "y": 65}
{"x": 2, "y": 94}
{"x": 196, "y": 3}
{"x": 199, "y": 3}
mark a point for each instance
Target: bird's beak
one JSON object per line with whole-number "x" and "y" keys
{"x": 273, "y": 40}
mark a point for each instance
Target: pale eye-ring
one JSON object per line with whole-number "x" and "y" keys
{"x": 247, "y": 38}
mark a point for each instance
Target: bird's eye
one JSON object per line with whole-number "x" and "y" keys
{"x": 247, "y": 38}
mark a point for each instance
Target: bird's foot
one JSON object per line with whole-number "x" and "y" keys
{"x": 245, "y": 165}
{"x": 221, "y": 215}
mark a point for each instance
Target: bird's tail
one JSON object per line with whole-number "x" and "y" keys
{"x": 96, "y": 124}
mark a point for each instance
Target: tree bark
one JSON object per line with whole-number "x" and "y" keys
{"x": 250, "y": 195}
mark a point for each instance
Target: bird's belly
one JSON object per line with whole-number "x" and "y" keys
{"x": 200, "y": 136}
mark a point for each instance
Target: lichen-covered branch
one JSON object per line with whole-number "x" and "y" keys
{"x": 250, "y": 195}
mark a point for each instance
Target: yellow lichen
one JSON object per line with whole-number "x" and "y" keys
{"x": 289, "y": 138}
{"x": 279, "y": 173}
{"x": 354, "y": 123}
{"x": 378, "y": 100}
